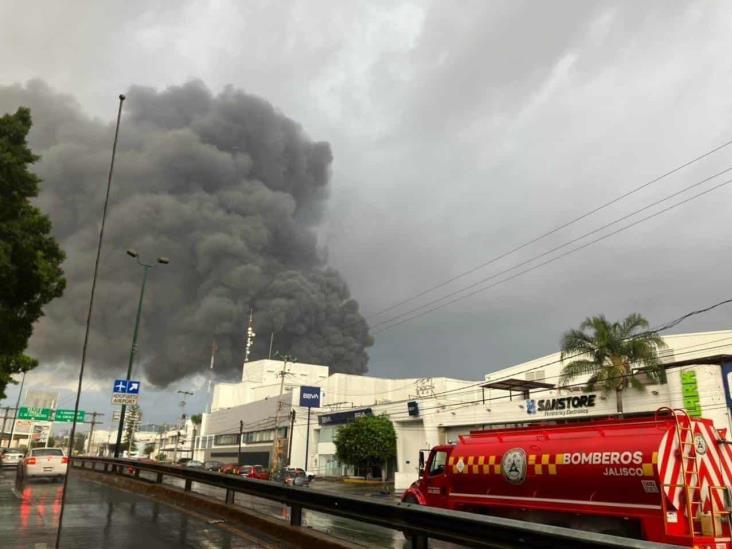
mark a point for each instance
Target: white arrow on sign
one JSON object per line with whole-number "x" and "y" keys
{"x": 133, "y": 387}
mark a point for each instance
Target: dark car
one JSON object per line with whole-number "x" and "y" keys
{"x": 213, "y": 465}
{"x": 291, "y": 477}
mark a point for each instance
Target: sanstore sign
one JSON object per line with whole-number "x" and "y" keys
{"x": 562, "y": 406}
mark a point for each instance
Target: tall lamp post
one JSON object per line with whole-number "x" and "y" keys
{"x": 145, "y": 269}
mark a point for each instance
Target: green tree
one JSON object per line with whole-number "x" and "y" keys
{"x": 80, "y": 443}
{"x": 196, "y": 419}
{"x": 612, "y": 354}
{"x": 149, "y": 449}
{"x": 132, "y": 421}
{"x": 368, "y": 441}
{"x": 30, "y": 258}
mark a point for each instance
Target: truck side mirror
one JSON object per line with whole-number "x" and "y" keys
{"x": 421, "y": 463}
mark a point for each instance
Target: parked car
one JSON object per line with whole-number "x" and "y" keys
{"x": 213, "y": 465}
{"x": 260, "y": 472}
{"x": 10, "y": 457}
{"x": 230, "y": 468}
{"x": 292, "y": 477}
{"x": 43, "y": 462}
{"x": 245, "y": 471}
{"x": 193, "y": 464}
{"x": 182, "y": 461}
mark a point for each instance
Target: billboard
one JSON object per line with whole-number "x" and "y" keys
{"x": 310, "y": 397}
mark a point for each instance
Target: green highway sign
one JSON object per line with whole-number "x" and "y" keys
{"x": 68, "y": 416}
{"x": 38, "y": 414}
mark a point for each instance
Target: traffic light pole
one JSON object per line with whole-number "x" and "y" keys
{"x": 133, "y": 350}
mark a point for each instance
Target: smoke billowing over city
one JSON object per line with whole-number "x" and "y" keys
{"x": 227, "y": 188}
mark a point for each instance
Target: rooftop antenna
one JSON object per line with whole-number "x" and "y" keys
{"x": 214, "y": 350}
{"x": 250, "y": 336}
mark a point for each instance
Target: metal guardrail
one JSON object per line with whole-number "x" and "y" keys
{"x": 419, "y": 522}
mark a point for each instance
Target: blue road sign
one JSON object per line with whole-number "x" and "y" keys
{"x": 120, "y": 386}
{"x": 133, "y": 387}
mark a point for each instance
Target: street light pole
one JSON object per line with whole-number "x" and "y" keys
{"x": 145, "y": 269}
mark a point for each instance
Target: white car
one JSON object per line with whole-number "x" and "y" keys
{"x": 43, "y": 462}
{"x": 10, "y": 457}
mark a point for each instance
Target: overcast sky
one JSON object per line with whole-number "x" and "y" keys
{"x": 459, "y": 130}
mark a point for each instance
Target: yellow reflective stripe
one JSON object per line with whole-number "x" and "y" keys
{"x": 552, "y": 469}
{"x": 532, "y": 459}
{"x": 647, "y": 469}
{"x": 545, "y": 459}
{"x": 559, "y": 459}
{"x": 654, "y": 459}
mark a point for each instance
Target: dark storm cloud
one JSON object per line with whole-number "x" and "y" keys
{"x": 226, "y": 187}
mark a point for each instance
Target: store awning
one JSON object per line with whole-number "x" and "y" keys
{"x": 513, "y": 385}
{"x": 518, "y": 385}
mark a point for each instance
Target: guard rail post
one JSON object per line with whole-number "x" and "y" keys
{"x": 189, "y": 483}
{"x": 159, "y": 478}
{"x": 230, "y": 494}
{"x": 295, "y": 515}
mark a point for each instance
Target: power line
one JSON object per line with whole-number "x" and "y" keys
{"x": 552, "y": 231}
{"x": 547, "y": 262}
{"x": 552, "y": 250}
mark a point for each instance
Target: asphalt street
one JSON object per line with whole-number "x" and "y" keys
{"x": 99, "y": 516}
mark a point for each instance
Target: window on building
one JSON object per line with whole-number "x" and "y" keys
{"x": 226, "y": 440}
{"x": 327, "y": 434}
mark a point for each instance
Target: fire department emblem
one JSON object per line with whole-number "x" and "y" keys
{"x": 460, "y": 465}
{"x": 513, "y": 466}
{"x": 701, "y": 444}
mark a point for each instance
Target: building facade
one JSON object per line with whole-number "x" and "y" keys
{"x": 430, "y": 411}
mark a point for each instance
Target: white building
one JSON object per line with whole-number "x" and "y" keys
{"x": 430, "y": 411}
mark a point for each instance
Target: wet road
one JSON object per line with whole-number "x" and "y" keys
{"x": 99, "y": 516}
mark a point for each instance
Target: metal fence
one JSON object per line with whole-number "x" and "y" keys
{"x": 418, "y": 522}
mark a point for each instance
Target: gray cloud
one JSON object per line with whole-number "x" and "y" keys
{"x": 226, "y": 187}
{"x": 459, "y": 130}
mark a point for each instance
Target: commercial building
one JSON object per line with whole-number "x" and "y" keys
{"x": 430, "y": 411}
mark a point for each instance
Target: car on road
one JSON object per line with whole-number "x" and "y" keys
{"x": 230, "y": 468}
{"x": 213, "y": 465}
{"x": 260, "y": 472}
{"x": 291, "y": 477}
{"x": 43, "y": 462}
{"x": 193, "y": 464}
{"x": 10, "y": 457}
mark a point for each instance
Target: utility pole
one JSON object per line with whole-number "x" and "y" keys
{"x": 91, "y": 430}
{"x": 183, "y": 403}
{"x": 5, "y": 417}
{"x": 175, "y": 448}
{"x": 15, "y": 416}
{"x": 241, "y": 433}
{"x": 276, "y": 437}
{"x": 289, "y": 438}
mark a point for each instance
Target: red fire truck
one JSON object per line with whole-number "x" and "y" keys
{"x": 664, "y": 478}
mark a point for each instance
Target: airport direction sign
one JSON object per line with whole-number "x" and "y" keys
{"x": 124, "y": 398}
{"x": 125, "y": 391}
{"x": 67, "y": 416}
{"x": 39, "y": 414}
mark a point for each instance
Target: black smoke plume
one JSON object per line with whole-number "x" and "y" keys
{"x": 225, "y": 186}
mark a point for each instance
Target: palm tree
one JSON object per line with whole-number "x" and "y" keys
{"x": 612, "y": 354}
